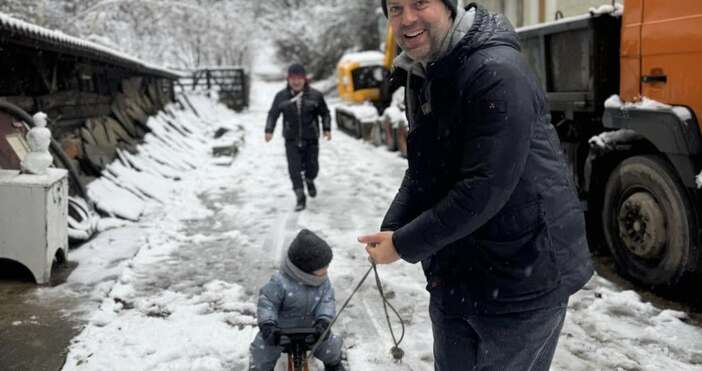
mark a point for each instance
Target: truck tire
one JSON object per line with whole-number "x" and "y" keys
{"x": 648, "y": 222}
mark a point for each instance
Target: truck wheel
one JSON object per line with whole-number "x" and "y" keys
{"x": 648, "y": 222}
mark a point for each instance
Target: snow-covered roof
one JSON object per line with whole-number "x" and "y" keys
{"x": 20, "y": 32}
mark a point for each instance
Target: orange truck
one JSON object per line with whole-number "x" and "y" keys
{"x": 625, "y": 92}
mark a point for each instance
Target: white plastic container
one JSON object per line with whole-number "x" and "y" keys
{"x": 33, "y": 219}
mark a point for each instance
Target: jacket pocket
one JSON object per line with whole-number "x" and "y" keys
{"x": 519, "y": 269}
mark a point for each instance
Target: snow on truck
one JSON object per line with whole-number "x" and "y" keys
{"x": 625, "y": 92}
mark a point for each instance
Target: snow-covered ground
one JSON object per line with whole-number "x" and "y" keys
{"x": 176, "y": 290}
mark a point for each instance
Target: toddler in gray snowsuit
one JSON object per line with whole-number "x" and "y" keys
{"x": 298, "y": 295}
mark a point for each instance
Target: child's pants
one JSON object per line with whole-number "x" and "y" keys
{"x": 264, "y": 356}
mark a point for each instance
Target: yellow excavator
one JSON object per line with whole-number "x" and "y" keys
{"x": 363, "y": 85}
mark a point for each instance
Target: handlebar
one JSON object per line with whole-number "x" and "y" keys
{"x": 296, "y": 342}
{"x": 293, "y": 337}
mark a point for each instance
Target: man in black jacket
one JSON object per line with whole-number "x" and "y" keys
{"x": 487, "y": 204}
{"x": 302, "y": 107}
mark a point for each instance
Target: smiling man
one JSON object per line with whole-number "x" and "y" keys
{"x": 487, "y": 204}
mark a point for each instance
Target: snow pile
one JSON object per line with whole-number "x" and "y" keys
{"x": 615, "y": 102}
{"x": 139, "y": 317}
{"x": 610, "y": 329}
{"x": 170, "y": 331}
{"x": 365, "y": 112}
{"x": 395, "y": 113}
{"x": 396, "y": 117}
{"x": 177, "y": 137}
{"x": 645, "y": 103}
{"x": 82, "y": 221}
{"x": 682, "y": 112}
{"x": 615, "y": 10}
{"x": 608, "y": 140}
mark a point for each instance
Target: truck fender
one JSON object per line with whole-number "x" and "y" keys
{"x": 677, "y": 138}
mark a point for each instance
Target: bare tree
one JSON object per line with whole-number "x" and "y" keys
{"x": 194, "y": 33}
{"x": 318, "y": 33}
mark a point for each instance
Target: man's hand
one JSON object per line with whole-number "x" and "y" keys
{"x": 380, "y": 247}
{"x": 269, "y": 136}
{"x": 327, "y": 135}
{"x": 269, "y": 332}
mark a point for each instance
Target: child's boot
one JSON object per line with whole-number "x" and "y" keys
{"x": 300, "y": 194}
{"x": 335, "y": 367}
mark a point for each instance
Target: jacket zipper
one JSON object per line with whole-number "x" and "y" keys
{"x": 308, "y": 310}
{"x": 299, "y": 121}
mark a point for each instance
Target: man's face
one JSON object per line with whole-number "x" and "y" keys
{"x": 419, "y": 26}
{"x": 297, "y": 82}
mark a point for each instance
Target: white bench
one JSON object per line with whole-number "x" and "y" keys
{"x": 33, "y": 219}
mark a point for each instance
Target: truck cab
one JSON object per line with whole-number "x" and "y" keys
{"x": 661, "y": 52}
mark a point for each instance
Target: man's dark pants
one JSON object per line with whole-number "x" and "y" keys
{"x": 302, "y": 156}
{"x": 523, "y": 341}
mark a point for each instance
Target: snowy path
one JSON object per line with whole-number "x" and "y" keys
{"x": 186, "y": 301}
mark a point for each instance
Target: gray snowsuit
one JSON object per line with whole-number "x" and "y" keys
{"x": 290, "y": 303}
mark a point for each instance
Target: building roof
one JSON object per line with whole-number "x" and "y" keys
{"x": 15, "y": 31}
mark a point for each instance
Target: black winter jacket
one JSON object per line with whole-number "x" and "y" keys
{"x": 487, "y": 203}
{"x": 299, "y": 122}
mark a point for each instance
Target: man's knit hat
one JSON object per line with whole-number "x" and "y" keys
{"x": 296, "y": 69}
{"x": 309, "y": 252}
{"x": 451, "y": 4}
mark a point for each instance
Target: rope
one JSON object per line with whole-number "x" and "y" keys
{"x": 396, "y": 351}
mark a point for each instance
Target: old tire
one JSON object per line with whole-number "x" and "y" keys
{"x": 648, "y": 222}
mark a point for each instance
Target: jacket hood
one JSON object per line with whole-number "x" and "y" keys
{"x": 488, "y": 30}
